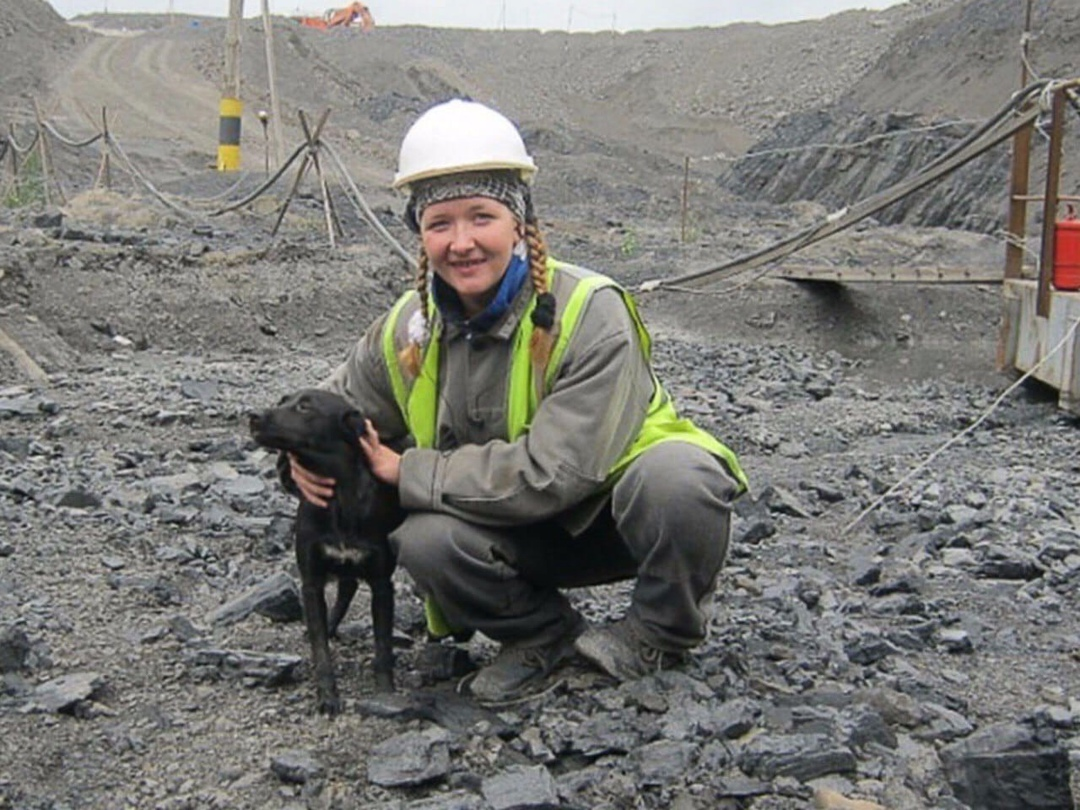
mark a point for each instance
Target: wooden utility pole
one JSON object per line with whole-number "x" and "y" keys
{"x": 104, "y": 175}
{"x": 231, "y": 84}
{"x": 231, "y": 106}
{"x": 1021, "y": 172}
{"x": 1050, "y": 202}
{"x": 275, "y": 107}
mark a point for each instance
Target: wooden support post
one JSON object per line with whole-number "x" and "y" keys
{"x": 313, "y": 146}
{"x": 329, "y": 201}
{"x": 104, "y": 174}
{"x": 14, "y": 158}
{"x": 292, "y": 193}
{"x": 333, "y": 220}
{"x": 328, "y": 207}
{"x": 312, "y": 136}
{"x": 231, "y": 77}
{"x": 1018, "y": 193}
{"x": 1021, "y": 172}
{"x": 1050, "y": 203}
{"x": 685, "y": 196}
{"x": 275, "y": 106}
{"x": 43, "y": 151}
{"x": 7, "y": 186}
{"x": 338, "y": 228}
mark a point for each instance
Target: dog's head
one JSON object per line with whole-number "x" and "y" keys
{"x": 321, "y": 428}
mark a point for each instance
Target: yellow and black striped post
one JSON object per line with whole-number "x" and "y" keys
{"x": 228, "y": 159}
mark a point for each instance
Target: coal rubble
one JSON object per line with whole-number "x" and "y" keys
{"x": 924, "y": 657}
{"x": 896, "y": 625}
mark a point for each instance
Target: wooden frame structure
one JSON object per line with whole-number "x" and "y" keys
{"x": 1039, "y": 326}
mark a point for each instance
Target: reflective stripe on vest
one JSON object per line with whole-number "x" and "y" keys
{"x": 417, "y": 401}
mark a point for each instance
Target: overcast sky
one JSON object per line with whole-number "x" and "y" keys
{"x": 575, "y": 15}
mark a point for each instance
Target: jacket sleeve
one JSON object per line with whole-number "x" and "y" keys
{"x": 362, "y": 378}
{"x": 595, "y": 409}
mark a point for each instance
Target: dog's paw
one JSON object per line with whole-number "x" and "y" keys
{"x": 329, "y": 701}
{"x": 384, "y": 681}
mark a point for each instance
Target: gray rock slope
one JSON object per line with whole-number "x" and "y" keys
{"x": 938, "y": 78}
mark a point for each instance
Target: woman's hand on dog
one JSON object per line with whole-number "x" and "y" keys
{"x": 316, "y": 489}
{"x": 385, "y": 463}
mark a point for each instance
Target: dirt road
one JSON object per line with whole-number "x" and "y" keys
{"x": 157, "y": 101}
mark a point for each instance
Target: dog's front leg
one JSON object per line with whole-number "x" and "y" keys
{"x": 346, "y": 590}
{"x": 382, "y": 617}
{"x": 314, "y": 599}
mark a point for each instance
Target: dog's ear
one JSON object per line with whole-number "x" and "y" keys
{"x": 352, "y": 424}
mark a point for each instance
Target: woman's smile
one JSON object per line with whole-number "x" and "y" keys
{"x": 469, "y": 243}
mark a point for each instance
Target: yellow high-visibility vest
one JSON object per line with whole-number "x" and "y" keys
{"x": 417, "y": 397}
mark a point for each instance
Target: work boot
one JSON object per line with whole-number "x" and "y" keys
{"x": 437, "y": 661}
{"x": 620, "y": 650}
{"x": 520, "y": 668}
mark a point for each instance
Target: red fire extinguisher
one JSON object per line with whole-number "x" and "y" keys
{"x": 1067, "y": 252}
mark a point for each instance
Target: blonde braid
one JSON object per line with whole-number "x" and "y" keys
{"x": 543, "y": 315}
{"x": 412, "y": 355}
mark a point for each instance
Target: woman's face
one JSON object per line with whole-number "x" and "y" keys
{"x": 469, "y": 243}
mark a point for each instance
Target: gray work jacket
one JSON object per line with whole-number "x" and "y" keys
{"x": 559, "y": 469}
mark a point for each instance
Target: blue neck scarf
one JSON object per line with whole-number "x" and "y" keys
{"x": 449, "y": 303}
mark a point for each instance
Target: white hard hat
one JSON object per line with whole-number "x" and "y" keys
{"x": 460, "y": 136}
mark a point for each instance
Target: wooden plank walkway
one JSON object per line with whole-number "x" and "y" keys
{"x": 893, "y": 275}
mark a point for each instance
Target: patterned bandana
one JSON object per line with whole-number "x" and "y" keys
{"x": 503, "y": 186}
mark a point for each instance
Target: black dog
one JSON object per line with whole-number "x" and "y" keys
{"x": 348, "y": 539}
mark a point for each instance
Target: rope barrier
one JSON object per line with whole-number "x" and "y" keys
{"x": 69, "y": 142}
{"x": 118, "y": 150}
{"x": 222, "y": 195}
{"x": 113, "y": 146}
{"x": 23, "y": 150}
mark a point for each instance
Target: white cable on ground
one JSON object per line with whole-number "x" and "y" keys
{"x": 221, "y": 196}
{"x": 131, "y": 167}
{"x": 982, "y": 417}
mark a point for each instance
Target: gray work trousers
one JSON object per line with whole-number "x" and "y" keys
{"x": 668, "y": 525}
